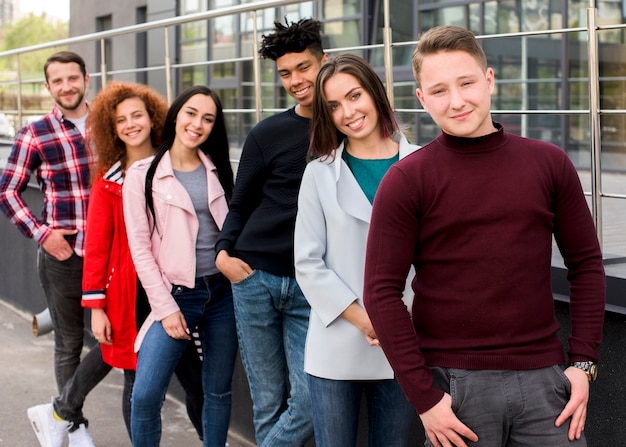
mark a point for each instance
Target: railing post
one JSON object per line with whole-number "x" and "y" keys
{"x": 256, "y": 63}
{"x": 594, "y": 119}
{"x": 168, "y": 65}
{"x": 103, "y": 63}
{"x": 19, "y": 93}
{"x": 387, "y": 41}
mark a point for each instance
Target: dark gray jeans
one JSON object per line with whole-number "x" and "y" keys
{"x": 509, "y": 408}
{"x": 62, "y": 285}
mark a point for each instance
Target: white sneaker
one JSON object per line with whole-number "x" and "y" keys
{"x": 49, "y": 431}
{"x": 81, "y": 437}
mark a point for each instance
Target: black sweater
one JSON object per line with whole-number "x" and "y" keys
{"x": 259, "y": 227}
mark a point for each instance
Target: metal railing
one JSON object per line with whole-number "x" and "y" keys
{"x": 591, "y": 29}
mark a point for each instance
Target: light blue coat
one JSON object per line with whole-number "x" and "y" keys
{"x": 330, "y": 241}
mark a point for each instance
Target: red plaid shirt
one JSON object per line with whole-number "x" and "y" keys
{"x": 55, "y": 150}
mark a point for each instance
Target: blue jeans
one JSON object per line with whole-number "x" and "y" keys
{"x": 209, "y": 306}
{"x": 509, "y": 408}
{"x": 189, "y": 374}
{"x": 272, "y": 321}
{"x": 336, "y": 407}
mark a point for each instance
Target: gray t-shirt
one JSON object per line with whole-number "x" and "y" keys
{"x": 195, "y": 182}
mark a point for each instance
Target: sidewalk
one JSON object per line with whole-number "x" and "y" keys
{"x": 27, "y": 379}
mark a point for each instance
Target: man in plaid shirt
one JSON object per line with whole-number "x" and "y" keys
{"x": 54, "y": 149}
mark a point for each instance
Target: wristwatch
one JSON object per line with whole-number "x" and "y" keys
{"x": 590, "y": 368}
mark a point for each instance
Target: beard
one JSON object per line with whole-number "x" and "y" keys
{"x": 70, "y": 105}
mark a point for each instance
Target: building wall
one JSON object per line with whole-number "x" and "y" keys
{"x": 124, "y": 51}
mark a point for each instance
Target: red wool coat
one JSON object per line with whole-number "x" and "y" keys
{"x": 109, "y": 277}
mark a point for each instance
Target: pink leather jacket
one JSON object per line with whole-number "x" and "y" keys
{"x": 167, "y": 255}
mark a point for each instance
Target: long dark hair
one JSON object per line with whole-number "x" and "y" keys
{"x": 215, "y": 146}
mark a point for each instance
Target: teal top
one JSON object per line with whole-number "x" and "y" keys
{"x": 368, "y": 172}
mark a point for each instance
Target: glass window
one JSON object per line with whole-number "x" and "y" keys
{"x": 191, "y": 76}
{"x": 223, "y": 46}
{"x": 508, "y": 17}
{"x": 104, "y": 23}
{"x": 454, "y": 15}
{"x": 535, "y": 15}
{"x": 612, "y": 86}
{"x": 401, "y": 21}
{"x": 189, "y": 6}
{"x": 193, "y": 46}
{"x": 333, "y": 9}
{"x": 343, "y": 34}
{"x": 577, "y": 13}
{"x": 610, "y": 12}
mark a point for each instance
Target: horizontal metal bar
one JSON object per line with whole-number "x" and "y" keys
{"x": 157, "y": 24}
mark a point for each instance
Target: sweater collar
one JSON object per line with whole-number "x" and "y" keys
{"x": 486, "y": 143}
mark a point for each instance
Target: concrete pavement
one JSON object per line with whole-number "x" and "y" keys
{"x": 27, "y": 379}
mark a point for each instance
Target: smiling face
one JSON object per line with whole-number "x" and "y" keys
{"x": 297, "y": 73}
{"x": 132, "y": 123}
{"x": 351, "y": 107}
{"x": 67, "y": 84}
{"x": 456, "y": 92}
{"x": 195, "y": 121}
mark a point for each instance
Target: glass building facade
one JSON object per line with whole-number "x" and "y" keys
{"x": 537, "y": 48}
{"x": 533, "y": 72}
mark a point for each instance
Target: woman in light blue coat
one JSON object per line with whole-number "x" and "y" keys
{"x": 342, "y": 357}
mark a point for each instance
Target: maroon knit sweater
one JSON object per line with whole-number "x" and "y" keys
{"x": 476, "y": 218}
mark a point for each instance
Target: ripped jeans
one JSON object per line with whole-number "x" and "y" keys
{"x": 209, "y": 305}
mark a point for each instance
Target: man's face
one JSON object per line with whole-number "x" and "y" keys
{"x": 66, "y": 84}
{"x": 456, "y": 92}
{"x": 297, "y": 72}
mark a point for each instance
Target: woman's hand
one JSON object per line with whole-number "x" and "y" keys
{"x": 101, "y": 326}
{"x": 356, "y": 315}
{"x": 175, "y": 326}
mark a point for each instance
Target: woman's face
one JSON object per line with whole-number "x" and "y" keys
{"x": 195, "y": 121}
{"x": 132, "y": 123}
{"x": 351, "y": 107}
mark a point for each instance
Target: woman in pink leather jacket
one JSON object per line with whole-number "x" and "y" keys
{"x": 174, "y": 205}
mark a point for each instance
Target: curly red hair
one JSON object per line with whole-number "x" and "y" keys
{"x": 101, "y": 121}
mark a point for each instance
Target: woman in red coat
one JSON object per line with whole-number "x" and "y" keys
{"x": 125, "y": 124}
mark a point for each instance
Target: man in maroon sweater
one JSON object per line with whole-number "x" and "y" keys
{"x": 475, "y": 211}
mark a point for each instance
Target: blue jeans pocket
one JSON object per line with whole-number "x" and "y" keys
{"x": 243, "y": 281}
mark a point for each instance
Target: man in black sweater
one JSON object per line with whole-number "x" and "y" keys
{"x": 255, "y": 248}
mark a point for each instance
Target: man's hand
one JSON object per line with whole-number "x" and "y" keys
{"x": 56, "y": 244}
{"x": 101, "y": 326}
{"x": 232, "y": 268}
{"x": 576, "y": 408}
{"x": 442, "y": 426}
{"x": 175, "y": 326}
